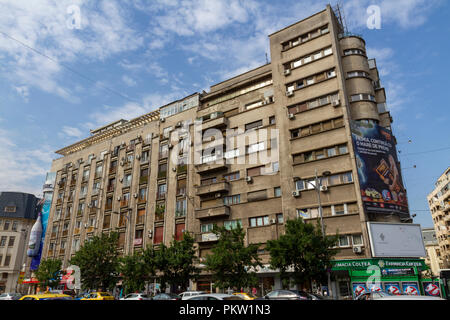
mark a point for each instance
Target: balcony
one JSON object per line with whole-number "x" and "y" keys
{"x": 206, "y": 237}
{"x": 213, "y": 188}
{"x": 211, "y": 166}
{"x": 217, "y": 123}
{"x": 214, "y": 212}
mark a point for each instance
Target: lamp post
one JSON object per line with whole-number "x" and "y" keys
{"x": 317, "y": 185}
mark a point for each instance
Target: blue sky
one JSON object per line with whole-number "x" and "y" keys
{"x": 130, "y": 57}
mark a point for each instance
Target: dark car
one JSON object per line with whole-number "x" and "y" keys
{"x": 166, "y": 296}
{"x": 286, "y": 295}
{"x": 315, "y": 296}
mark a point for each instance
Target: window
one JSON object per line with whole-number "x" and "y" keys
{"x": 3, "y": 241}
{"x": 208, "y": 227}
{"x": 163, "y": 151}
{"x": 11, "y": 209}
{"x": 144, "y": 156}
{"x": 230, "y": 200}
{"x": 343, "y": 241}
{"x": 232, "y": 224}
{"x": 162, "y": 170}
{"x": 357, "y": 239}
{"x": 257, "y": 171}
{"x": 127, "y": 180}
{"x": 280, "y": 218}
{"x": 327, "y": 52}
{"x": 343, "y": 149}
{"x": 232, "y": 176}
{"x": 331, "y": 152}
{"x": 159, "y": 233}
{"x": 253, "y": 125}
{"x": 253, "y": 105}
{"x": 6, "y": 225}
{"x": 256, "y": 147}
{"x": 121, "y": 240}
{"x": 179, "y": 231}
{"x": 339, "y": 209}
{"x": 181, "y": 186}
{"x": 272, "y": 120}
{"x": 7, "y": 260}
{"x": 231, "y": 154}
{"x": 259, "y": 221}
{"x": 142, "y": 197}
{"x": 277, "y": 192}
{"x": 181, "y": 208}
{"x": 14, "y": 226}
{"x": 162, "y": 188}
{"x": 140, "y": 217}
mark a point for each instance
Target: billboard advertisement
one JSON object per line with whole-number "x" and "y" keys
{"x": 411, "y": 288}
{"x": 380, "y": 179}
{"x": 431, "y": 288}
{"x": 358, "y": 288}
{"x": 43, "y": 217}
{"x": 396, "y": 240}
{"x": 393, "y": 288}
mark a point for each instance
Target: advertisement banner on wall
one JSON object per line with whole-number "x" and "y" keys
{"x": 44, "y": 215}
{"x": 431, "y": 288}
{"x": 380, "y": 179}
{"x": 358, "y": 288}
{"x": 411, "y": 288}
{"x": 392, "y": 288}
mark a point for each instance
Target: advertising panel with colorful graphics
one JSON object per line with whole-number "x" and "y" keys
{"x": 381, "y": 183}
{"x": 431, "y": 288}
{"x": 359, "y": 289}
{"x": 44, "y": 215}
{"x": 374, "y": 287}
{"x": 411, "y": 288}
{"x": 392, "y": 288}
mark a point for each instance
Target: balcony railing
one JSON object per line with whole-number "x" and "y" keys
{"x": 223, "y": 186}
{"x": 220, "y": 211}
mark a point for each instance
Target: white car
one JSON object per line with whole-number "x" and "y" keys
{"x": 188, "y": 294}
{"x": 136, "y": 296}
{"x": 214, "y": 296}
{"x": 10, "y": 296}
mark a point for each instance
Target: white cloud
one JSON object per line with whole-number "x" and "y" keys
{"x": 22, "y": 169}
{"x": 23, "y": 91}
{"x": 129, "y": 81}
{"x": 72, "y": 132}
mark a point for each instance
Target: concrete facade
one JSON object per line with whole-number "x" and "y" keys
{"x": 439, "y": 203}
{"x": 319, "y": 79}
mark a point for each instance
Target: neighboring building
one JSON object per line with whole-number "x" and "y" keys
{"x": 18, "y": 213}
{"x": 148, "y": 179}
{"x": 433, "y": 258}
{"x": 439, "y": 203}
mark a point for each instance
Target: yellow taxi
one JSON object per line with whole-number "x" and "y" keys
{"x": 244, "y": 295}
{"x": 47, "y": 296}
{"x": 98, "y": 296}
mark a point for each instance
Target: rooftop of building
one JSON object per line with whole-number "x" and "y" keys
{"x": 18, "y": 205}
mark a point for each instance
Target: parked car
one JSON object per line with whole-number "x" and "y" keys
{"x": 10, "y": 296}
{"x": 98, "y": 296}
{"x": 286, "y": 295}
{"x": 188, "y": 294}
{"x": 166, "y": 296}
{"x": 47, "y": 296}
{"x": 380, "y": 295}
{"x": 245, "y": 295}
{"x": 136, "y": 296}
{"x": 315, "y": 296}
{"x": 215, "y": 296}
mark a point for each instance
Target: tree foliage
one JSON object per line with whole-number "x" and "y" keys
{"x": 98, "y": 261}
{"x": 135, "y": 272}
{"x": 49, "y": 273}
{"x": 231, "y": 262}
{"x": 176, "y": 263}
{"x": 304, "y": 249}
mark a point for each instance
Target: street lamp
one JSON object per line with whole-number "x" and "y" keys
{"x": 317, "y": 185}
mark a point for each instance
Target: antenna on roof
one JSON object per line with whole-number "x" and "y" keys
{"x": 340, "y": 15}
{"x": 267, "y": 59}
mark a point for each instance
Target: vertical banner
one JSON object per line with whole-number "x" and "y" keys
{"x": 44, "y": 215}
{"x": 380, "y": 179}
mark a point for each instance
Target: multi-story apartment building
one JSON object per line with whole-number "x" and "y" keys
{"x": 433, "y": 258}
{"x": 157, "y": 175}
{"x": 439, "y": 203}
{"x": 18, "y": 213}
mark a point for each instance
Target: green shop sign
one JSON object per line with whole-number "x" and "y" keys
{"x": 362, "y": 264}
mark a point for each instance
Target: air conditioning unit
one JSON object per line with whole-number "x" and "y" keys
{"x": 118, "y": 198}
{"x": 139, "y": 136}
{"x": 138, "y": 157}
{"x": 162, "y": 119}
{"x": 273, "y": 221}
{"x": 123, "y": 144}
{"x": 170, "y": 146}
{"x": 289, "y": 93}
{"x": 89, "y": 205}
{"x": 324, "y": 188}
{"x": 336, "y": 103}
{"x": 217, "y": 195}
{"x": 357, "y": 249}
{"x": 174, "y": 169}
{"x": 249, "y": 179}
{"x": 121, "y": 179}
{"x": 122, "y": 163}
{"x": 179, "y": 124}
{"x": 291, "y": 116}
{"x": 135, "y": 195}
{"x": 296, "y": 193}
{"x": 287, "y": 72}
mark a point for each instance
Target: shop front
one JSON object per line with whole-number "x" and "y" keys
{"x": 395, "y": 276}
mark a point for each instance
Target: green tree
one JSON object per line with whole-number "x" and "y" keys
{"x": 49, "y": 273}
{"x": 303, "y": 248}
{"x": 134, "y": 272}
{"x": 98, "y": 261}
{"x": 176, "y": 263}
{"x": 231, "y": 262}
